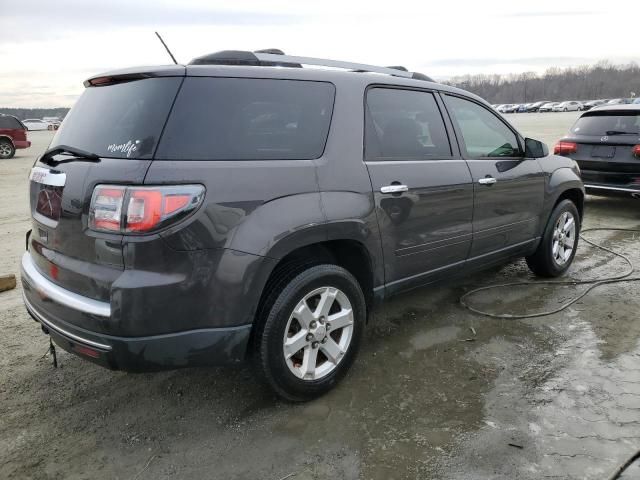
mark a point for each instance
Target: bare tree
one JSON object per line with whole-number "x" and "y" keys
{"x": 586, "y": 82}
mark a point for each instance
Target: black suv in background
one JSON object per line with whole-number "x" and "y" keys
{"x": 605, "y": 142}
{"x": 227, "y": 209}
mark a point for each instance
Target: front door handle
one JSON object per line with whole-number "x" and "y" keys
{"x": 487, "y": 181}
{"x": 394, "y": 188}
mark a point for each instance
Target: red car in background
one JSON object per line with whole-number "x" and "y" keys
{"x": 13, "y": 135}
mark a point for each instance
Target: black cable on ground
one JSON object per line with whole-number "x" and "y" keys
{"x": 593, "y": 284}
{"x": 624, "y": 466}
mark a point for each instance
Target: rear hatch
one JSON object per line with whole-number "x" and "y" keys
{"x": 120, "y": 119}
{"x": 604, "y": 146}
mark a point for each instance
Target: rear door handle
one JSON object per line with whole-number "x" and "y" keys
{"x": 487, "y": 181}
{"x": 394, "y": 188}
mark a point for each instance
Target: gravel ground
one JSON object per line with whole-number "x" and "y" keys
{"x": 555, "y": 396}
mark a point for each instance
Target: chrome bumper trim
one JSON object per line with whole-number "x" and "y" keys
{"x": 616, "y": 189}
{"x": 59, "y": 330}
{"x": 59, "y": 294}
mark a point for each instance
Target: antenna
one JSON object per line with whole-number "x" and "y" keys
{"x": 167, "y": 48}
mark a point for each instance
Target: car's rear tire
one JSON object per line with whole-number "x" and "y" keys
{"x": 7, "y": 150}
{"x": 559, "y": 242}
{"x": 309, "y": 336}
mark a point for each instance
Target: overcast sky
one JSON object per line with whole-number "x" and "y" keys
{"x": 48, "y": 47}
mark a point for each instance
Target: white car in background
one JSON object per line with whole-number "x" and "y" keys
{"x": 547, "y": 107}
{"x": 35, "y": 124}
{"x": 570, "y": 106}
{"x": 54, "y": 122}
{"x": 505, "y": 108}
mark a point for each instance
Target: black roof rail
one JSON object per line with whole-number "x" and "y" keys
{"x": 274, "y": 57}
{"x": 275, "y": 51}
{"x": 241, "y": 57}
{"x": 422, "y": 76}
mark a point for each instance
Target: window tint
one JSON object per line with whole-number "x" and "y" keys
{"x": 119, "y": 121}
{"x": 608, "y": 123}
{"x": 484, "y": 134}
{"x": 248, "y": 119}
{"x": 404, "y": 124}
{"x": 10, "y": 122}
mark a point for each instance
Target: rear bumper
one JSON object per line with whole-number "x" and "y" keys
{"x": 616, "y": 183}
{"x": 18, "y": 144}
{"x": 201, "y": 347}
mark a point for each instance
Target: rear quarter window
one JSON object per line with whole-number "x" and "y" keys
{"x": 10, "y": 123}
{"x": 248, "y": 119}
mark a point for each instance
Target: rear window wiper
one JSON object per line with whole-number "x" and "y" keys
{"x": 620, "y": 132}
{"x": 78, "y": 154}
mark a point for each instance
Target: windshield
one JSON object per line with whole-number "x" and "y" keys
{"x": 606, "y": 123}
{"x": 124, "y": 120}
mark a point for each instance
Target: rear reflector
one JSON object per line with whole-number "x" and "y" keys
{"x": 147, "y": 208}
{"x": 565, "y": 148}
{"x": 89, "y": 352}
{"x": 636, "y": 151}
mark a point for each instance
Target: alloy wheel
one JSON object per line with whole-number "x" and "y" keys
{"x": 318, "y": 333}
{"x": 564, "y": 238}
{"x": 5, "y": 150}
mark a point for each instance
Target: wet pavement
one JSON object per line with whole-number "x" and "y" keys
{"x": 437, "y": 392}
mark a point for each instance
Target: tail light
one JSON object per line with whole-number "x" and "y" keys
{"x": 565, "y": 148}
{"x": 122, "y": 209}
{"x": 636, "y": 151}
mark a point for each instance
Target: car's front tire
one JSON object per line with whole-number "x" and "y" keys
{"x": 7, "y": 150}
{"x": 310, "y": 334}
{"x": 559, "y": 243}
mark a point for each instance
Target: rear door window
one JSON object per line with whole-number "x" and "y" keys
{"x": 124, "y": 120}
{"x": 483, "y": 133}
{"x": 404, "y": 125}
{"x": 608, "y": 123}
{"x": 248, "y": 119}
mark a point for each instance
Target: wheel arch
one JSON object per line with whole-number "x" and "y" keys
{"x": 576, "y": 195}
{"x": 3, "y": 136}
{"x": 349, "y": 253}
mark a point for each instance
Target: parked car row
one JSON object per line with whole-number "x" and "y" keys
{"x": 566, "y": 106}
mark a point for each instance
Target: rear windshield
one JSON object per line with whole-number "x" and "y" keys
{"x": 124, "y": 120}
{"x": 608, "y": 123}
{"x": 248, "y": 119}
{"x": 10, "y": 123}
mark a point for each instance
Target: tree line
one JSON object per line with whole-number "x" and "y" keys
{"x": 24, "y": 113}
{"x": 600, "y": 81}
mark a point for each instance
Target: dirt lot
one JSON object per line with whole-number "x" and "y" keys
{"x": 556, "y": 396}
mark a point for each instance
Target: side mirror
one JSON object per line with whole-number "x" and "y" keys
{"x": 535, "y": 148}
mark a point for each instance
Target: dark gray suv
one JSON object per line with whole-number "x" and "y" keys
{"x": 247, "y": 207}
